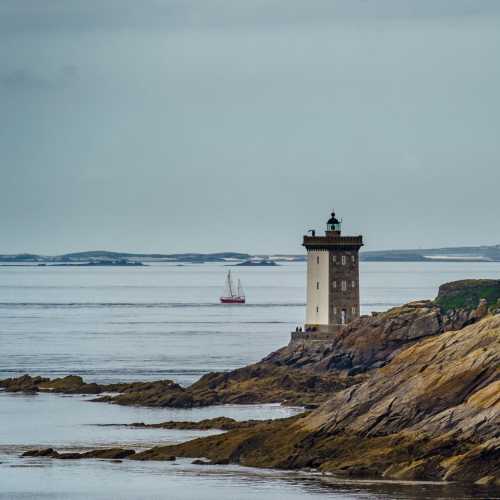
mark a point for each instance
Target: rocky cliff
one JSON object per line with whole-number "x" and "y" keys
{"x": 433, "y": 412}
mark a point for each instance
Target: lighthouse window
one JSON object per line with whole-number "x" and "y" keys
{"x": 343, "y": 260}
{"x": 317, "y": 309}
{"x": 317, "y": 285}
{"x": 344, "y": 285}
{"x": 317, "y": 259}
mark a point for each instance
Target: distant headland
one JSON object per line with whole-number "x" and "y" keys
{"x": 103, "y": 257}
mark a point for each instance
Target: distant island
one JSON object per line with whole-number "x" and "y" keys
{"x": 99, "y": 262}
{"x": 103, "y": 257}
{"x": 451, "y": 254}
{"x": 258, "y": 262}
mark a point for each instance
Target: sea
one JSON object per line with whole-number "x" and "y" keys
{"x": 164, "y": 321}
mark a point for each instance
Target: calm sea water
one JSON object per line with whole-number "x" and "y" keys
{"x": 164, "y": 321}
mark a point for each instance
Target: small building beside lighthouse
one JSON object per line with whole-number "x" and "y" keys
{"x": 332, "y": 277}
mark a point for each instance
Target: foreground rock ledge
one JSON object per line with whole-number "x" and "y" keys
{"x": 431, "y": 413}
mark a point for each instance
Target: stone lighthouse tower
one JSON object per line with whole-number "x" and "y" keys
{"x": 332, "y": 277}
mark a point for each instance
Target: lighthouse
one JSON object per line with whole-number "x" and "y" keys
{"x": 332, "y": 277}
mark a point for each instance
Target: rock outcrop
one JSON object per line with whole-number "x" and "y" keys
{"x": 258, "y": 383}
{"x": 217, "y": 423}
{"x": 466, "y": 295}
{"x": 106, "y": 453}
{"x": 433, "y": 412}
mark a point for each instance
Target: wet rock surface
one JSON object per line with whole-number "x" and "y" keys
{"x": 217, "y": 423}
{"x": 108, "y": 453}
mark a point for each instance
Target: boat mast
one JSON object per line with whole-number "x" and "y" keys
{"x": 241, "y": 293}
{"x": 230, "y": 283}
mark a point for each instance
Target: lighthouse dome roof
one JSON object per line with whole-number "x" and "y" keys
{"x": 333, "y": 219}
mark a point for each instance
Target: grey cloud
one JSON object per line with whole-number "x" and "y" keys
{"x": 237, "y": 124}
{"x": 23, "y": 79}
{"x": 27, "y": 79}
{"x": 64, "y": 15}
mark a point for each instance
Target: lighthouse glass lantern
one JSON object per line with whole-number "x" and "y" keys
{"x": 333, "y": 224}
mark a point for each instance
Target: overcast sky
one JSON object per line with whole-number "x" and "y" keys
{"x": 211, "y": 125}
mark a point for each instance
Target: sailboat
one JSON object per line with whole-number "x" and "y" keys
{"x": 232, "y": 295}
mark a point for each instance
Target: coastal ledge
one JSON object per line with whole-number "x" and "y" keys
{"x": 431, "y": 413}
{"x": 409, "y": 394}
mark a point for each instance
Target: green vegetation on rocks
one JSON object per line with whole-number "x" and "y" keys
{"x": 466, "y": 294}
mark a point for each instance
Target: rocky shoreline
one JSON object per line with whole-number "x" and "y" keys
{"x": 412, "y": 393}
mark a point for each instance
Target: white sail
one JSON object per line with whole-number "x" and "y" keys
{"x": 229, "y": 287}
{"x": 240, "y": 292}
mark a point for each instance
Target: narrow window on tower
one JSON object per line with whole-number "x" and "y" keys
{"x": 317, "y": 309}
{"x": 317, "y": 259}
{"x": 343, "y": 260}
{"x": 344, "y": 285}
{"x": 317, "y": 285}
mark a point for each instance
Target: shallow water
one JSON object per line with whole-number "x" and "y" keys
{"x": 163, "y": 321}
{"x": 75, "y": 422}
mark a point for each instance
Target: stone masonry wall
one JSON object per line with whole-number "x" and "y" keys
{"x": 344, "y": 268}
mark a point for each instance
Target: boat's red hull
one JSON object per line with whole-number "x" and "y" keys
{"x": 232, "y": 300}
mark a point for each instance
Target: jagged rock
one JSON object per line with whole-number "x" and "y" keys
{"x": 368, "y": 342}
{"x": 482, "y": 310}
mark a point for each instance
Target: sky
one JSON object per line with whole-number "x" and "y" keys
{"x": 230, "y": 125}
